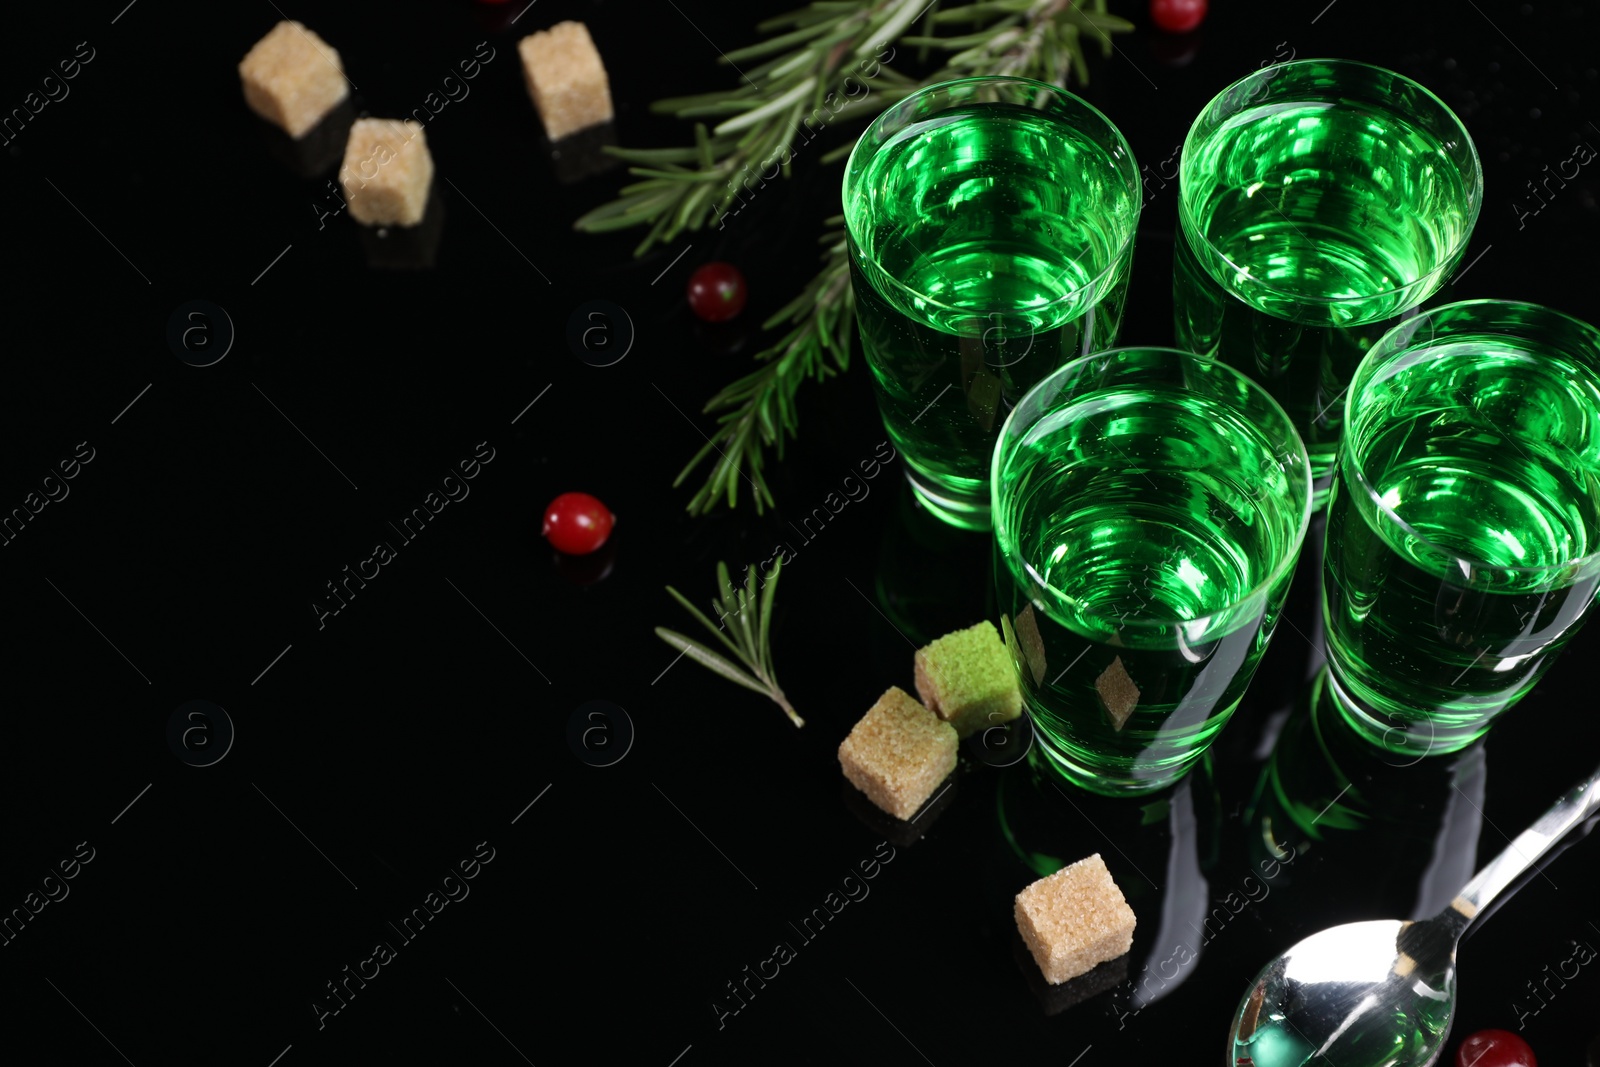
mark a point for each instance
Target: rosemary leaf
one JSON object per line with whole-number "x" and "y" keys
{"x": 702, "y": 142}
{"x": 770, "y": 108}
{"x": 687, "y": 209}
{"x": 742, "y": 620}
{"x": 679, "y": 175}
{"x": 768, "y": 591}
{"x": 777, "y": 44}
{"x": 837, "y": 154}
{"x": 621, "y": 222}
{"x": 650, "y": 155}
{"x": 672, "y": 104}
{"x": 710, "y": 660}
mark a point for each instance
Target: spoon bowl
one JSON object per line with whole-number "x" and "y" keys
{"x": 1355, "y": 988}
{"x": 1382, "y": 993}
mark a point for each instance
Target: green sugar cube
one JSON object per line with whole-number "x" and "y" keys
{"x": 967, "y": 679}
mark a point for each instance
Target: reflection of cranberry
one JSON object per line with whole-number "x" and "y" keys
{"x": 495, "y": 15}
{"x": 586, "y": 570}
{"x": 1177, "y": 16}
{"x": 721, "y": 338}
{"x": 1176, "y": 50}
{"x": 1495, "y": 1048}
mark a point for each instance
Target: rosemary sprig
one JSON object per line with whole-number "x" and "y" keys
{"x": 749, "y": 640}
{"x": 808, "y": 68}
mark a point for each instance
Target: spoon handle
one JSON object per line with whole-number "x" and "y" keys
{"x": 1581, "y": 802}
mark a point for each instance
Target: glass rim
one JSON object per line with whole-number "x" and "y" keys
{"x": 1362, "y": 374}
{"x": 1053, "y": 380}
{"x": 877, "y": 123}
{"x": 1429, "y": 281}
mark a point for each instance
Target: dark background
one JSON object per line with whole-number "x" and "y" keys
{"x": 425, "y": 717}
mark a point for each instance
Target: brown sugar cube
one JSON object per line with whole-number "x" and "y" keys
{"x": 292, "y": 78}
{"x": 387, "y": 172}
{"x": 566, "y": 79}
{"x": 898, "y": 753}
{"x": 968, "y": 679}
{"x": 1074, "y": 920}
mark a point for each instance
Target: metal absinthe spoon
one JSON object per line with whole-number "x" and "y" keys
{"x": 1382, "y": 993}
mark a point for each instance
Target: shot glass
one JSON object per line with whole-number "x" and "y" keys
{"x": 990, "y": 225}
{"x": 1463, "y": 541}
{"x": 1320, "y": 200}
{"x": 1149, "y": 506}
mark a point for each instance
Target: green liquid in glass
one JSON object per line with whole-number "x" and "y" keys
{"x": 1309, "y": 227}
{"x": 1137, "y": 523}
{"x": 989, "y": 244}
{"x": 1445, "y": 605}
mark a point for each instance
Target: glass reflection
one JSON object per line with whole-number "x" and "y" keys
{"x": 932, "y": 578}
{"x": 1160, "y": 848}
{"x": 1393, "y": 834}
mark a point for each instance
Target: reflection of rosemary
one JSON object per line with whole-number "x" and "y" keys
{"x": 749, "y": 640}
{"x": 813, "y": 71}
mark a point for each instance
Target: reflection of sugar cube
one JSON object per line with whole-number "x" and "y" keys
{"x": 387, "y": 172}
{"x": 566, "y": 79}
{"x": 292, "y": 78}
{"x": 1074, "y": 920}
{"x": 1119, "y": 693}
{"x": 1032, "y": 643}
{"x": 967, "y": 677}
{"x": 898, "y": 753}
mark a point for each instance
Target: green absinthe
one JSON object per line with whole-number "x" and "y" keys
{"x": 990, "y": 242}
{"x": 1144, "y": 540}
{"x": 1461, "y": 535}
{"x": 1315, "y": 213}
